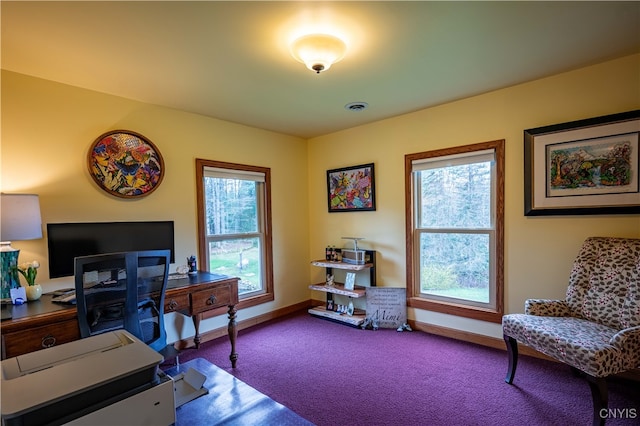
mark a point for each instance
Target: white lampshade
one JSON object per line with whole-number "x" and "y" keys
{"x": 20, "y": 215}
{"x": 318, "y": 51}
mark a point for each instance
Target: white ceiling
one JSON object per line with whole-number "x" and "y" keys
{"x": 230, "y": 60}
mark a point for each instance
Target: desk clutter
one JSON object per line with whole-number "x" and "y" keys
{"x": 177, "y": 276}
{"x": 66, "y": 296}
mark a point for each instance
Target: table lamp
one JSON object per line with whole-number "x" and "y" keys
{"x": 20, "y": 214}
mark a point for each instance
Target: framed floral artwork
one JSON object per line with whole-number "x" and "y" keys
{"x": 125, "y": 164}
{"x": 351, "y": 189}
{"x": 589, "y": 166}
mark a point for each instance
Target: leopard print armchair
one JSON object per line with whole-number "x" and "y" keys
{"x": 596, "y": 329}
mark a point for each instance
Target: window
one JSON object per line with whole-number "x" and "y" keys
{"x": 455, "y": 230}
{"x": 234, "y": 226}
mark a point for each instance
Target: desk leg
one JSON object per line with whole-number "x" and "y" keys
{"x": 233, "y": 334}
{"x": 196, "y": 325}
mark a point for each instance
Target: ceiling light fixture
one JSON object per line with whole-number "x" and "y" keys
{"x": 318, "y": 51}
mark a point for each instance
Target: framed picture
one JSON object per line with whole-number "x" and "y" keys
{"x": 583, "y": 167}
{"x": 350, "y": 281}
{"x": 351, "y": 189}
{"x": 125, "y": 164}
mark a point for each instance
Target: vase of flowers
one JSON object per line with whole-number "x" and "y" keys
{"x": 29, "y": 271}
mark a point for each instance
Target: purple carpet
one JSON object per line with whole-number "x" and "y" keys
{"x": 332, "y": 374}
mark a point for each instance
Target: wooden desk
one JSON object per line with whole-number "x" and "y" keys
{"x": 42, "y": 323}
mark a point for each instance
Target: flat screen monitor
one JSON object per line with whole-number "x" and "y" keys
{"x": 66, "y": 241}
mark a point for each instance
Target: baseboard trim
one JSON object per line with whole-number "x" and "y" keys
{"x": 479, "y": 339}
{"x": 244, "y": 324}
{"x": 493, "y": 342}
{"x": 452, "y": 333}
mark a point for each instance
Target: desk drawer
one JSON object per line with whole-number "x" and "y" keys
{"x": 176, "y": 303}
{"x": 205, "y": 300}
{"x": 34, "y": 339}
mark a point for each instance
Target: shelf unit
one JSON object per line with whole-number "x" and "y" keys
{"x": 358, "y": 316}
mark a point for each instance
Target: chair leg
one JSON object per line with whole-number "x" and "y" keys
{"x": 600, "y": 397}
{"x": 576, "y": 372}
{"x": 512, "y": 352}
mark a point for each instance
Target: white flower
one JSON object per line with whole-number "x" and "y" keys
{"x": 26, "y": 265}
{"x": 29, "y": 271}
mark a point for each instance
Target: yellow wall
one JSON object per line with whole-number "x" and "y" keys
{"x": 48, "y": 127}
{"x": 538, "y": 251}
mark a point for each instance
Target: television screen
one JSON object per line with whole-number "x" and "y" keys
{"x": 67, "y": 241}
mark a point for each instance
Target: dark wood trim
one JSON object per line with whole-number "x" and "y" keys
{"x": 269, "y": 294}
{"x": 243, "y": 304}
{"x": 268, "y": 237}
{"x": 500, "y": 201}
{"x": 452, "y": 333}
{"x": 465, "y": 336}
{"x": 496, "y": 343}
{"x": 63, "y": 313}
{"x": 409, "y": 226}
{"x": 413, "y": 285}
{"x": 202, "y": 252}
{"x": 460, "y": 310}
{"x": 479, "y": 339}
{"x": 241, "y": 325}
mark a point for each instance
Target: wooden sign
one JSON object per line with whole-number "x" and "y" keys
{"x": 387, "y": 306}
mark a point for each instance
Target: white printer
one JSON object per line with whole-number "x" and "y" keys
{"x": 106, "y": 379}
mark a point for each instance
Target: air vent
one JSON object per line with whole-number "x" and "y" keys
{"x": 356, "y": 106}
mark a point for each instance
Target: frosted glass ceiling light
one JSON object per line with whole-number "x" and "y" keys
{"x": 318, "y": 51}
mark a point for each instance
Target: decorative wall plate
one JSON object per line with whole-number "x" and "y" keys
{"x": 125, "y": 164}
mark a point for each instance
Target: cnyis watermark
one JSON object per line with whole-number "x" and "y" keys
{"x": 618, "y": 413}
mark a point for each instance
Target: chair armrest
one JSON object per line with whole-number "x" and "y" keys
{"x": 547, "y": 308}
{"x": 627, "y": 339}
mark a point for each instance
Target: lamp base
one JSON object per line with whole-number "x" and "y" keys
{"x": 9, "y": 272}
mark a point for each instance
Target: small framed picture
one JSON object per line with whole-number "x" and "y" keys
{"x": 330, "y": 305}
{"x": 350, "y": 281}
{"x": 351, "y": 189}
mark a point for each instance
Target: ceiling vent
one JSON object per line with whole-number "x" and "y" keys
{"x": 356, "y": 106}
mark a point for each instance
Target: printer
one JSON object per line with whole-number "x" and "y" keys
{"x": 106, "y": 379}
